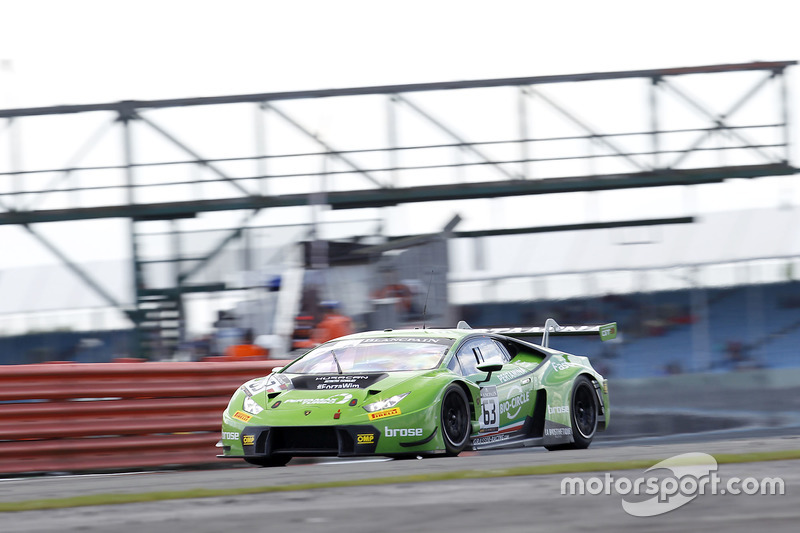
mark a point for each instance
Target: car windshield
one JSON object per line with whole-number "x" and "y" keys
{"x": 385, "y": 354}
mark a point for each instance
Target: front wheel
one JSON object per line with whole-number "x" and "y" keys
{"x": 272, "y": 460}
{"x": 455, "y": 420}
{"x": 583, "y": 411}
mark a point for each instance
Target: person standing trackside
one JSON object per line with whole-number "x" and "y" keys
{"x": 333, "y": 324}
{"x": 247, "y": 348}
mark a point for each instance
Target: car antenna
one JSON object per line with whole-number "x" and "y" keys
{"x": 425, "y": 307}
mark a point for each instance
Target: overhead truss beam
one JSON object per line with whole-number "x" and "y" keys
{"x": 394, "y": 89}
{"x": 368, "y": 198}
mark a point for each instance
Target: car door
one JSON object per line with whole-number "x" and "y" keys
{"x": 506, "y": 397}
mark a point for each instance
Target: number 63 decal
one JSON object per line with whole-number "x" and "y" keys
{"x": 490, "y": 407}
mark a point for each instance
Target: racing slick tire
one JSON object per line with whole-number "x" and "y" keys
{"x": 583, "y": 414}
{"x": 272, "y": 460}
{"x": 455, "y": 420}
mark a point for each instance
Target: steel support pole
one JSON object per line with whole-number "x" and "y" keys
{"x": 317, "y": 202}
{"x": 392, "y": 138}
{"x": 261, "y": 150}
{"x": 14, "y": 157}
{"x": 138, "y": 277}
{"x": 786, "y": 123}
{"x": 524, "y": 133}
{"x": 654, "y": 122}
{"x": 177, "y": 254}
{"x": 3, "y": 205}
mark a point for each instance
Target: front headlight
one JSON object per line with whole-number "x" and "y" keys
{"x": 388, "y": 403}
{"x": 251, "y": 406}
{"x": 271, "y": 383}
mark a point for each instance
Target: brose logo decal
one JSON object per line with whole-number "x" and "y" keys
{"x": 402, "y": 432}
{"x": 558, "y": 409}
{"x": 249, "y": 440}
{"x": 230, "y": 435}
{"x": 244, "y": 417}
{"x": 365, "y": 438}
{"x": 383, "y": 414}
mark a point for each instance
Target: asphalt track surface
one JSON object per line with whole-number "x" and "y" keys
{"x": 523, "y": 503}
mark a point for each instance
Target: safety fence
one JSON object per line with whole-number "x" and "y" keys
{"x": 70, "y": 417}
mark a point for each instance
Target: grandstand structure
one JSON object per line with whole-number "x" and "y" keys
{"x": 211, "y": 194}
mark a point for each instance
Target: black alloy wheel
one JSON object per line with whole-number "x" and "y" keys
{"x": 455, "y": 420}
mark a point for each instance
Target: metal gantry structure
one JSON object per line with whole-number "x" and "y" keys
{"x": 175, "y": 161}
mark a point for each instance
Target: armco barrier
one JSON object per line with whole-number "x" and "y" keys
{"x": 74, "y": 417}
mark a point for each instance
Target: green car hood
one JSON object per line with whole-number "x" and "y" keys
{"x": 337, "y": 390}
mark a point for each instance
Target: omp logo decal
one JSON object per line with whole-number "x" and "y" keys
{"x": 383, "y": 414}
{"x": 244, "y": 417}
{"x": 248, "y": 440}
{"x": 365, "y": 438}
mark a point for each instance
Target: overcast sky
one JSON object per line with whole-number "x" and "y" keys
{"x": 82, "y": 51}
{"x": 89, "y": 51}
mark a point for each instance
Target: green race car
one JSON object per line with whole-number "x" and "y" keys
{"x": 421, "y": 392}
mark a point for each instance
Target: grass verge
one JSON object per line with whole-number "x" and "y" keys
{"x": 529, "y": 470}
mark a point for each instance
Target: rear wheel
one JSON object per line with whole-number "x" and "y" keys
{"x": 455, "y": 420}
{"x": 272, "y": 460}
{"x": 583, "y": 411}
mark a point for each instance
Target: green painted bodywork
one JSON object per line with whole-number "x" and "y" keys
{"x": 534, "y": 374}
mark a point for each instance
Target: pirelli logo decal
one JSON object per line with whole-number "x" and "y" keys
{"x": 244, "y": 417}
{"x": 385, "y": 413}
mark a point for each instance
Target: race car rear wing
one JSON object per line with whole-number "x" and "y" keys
{"x": 551, "y": 327}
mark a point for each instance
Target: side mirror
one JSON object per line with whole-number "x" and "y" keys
{"x": 489, "y": 368}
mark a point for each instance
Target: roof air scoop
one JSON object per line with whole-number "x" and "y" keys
{"x": 549, "y": 325}
{"x": 462, "y": 325}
